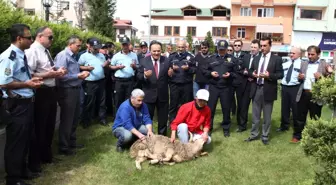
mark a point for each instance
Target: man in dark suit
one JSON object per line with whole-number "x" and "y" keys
{"x": 265, "y": 70}
{"x": 153, "y": 73}
{"x": 245, "y": 88}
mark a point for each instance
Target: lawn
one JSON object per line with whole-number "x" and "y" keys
{"x": 230, "y": 161}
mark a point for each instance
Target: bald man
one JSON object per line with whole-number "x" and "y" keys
{"x": 182, "y": 67}
{"x": 290, "y": 85}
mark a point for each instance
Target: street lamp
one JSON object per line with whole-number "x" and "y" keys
{"x": 47, "y": 4}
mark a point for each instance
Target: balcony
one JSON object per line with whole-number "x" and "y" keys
{"x": 252, "y": 21}
{"x": 310, "y": 25}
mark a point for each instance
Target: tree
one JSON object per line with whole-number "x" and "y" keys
{"x": 135, "y": 40}
{"x": 208, "y": 38}
{"x": 100, "y": 17}
{"x": 190, "y": 41}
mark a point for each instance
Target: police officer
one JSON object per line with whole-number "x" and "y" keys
{"x": 182, "y": 68}
{"x": 143, "y": 50}
{"x": 94, "y": 62}
{"x": 221, "y": 70}
{"x": 109, "y": 83}
{"x": 18, "y": 96}
{"x": 124, "y": 63}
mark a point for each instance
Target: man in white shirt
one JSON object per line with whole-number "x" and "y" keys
{"x": 41, "y": 65}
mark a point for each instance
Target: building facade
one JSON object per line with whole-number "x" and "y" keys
{"x": 124, "y": 28}
{"x": 315, "y": 24}
{"x": 170, "y": 25}
{"x": 254, "y": 19}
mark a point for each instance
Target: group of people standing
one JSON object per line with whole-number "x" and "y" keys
{"x": 183, "y": 88}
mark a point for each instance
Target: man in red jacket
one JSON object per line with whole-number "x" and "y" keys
{"x": 193, "y": 117}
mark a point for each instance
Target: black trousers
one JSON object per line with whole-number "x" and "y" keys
{"x": 109, "y": 88}
{"x": 44, "y": 126}
{"x": 234, "y": 103}
{"x": 225, "y": 97}
{"x": 69, "y": 101}
{"x": 123, "y": 90}
{"x": 288, "y": 103}
{"x": 94, "y": 100}
{"x": 179, "y": 95}
{"x": 244, "y": 101}
{"x": 162, "y": 116}
{"x": 18, "y": 130}
{"x": 303, "y": 106}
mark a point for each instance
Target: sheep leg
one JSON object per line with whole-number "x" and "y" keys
{"x": 138, "y": 162}
{"x": 169, "y": 163}
{"x": 177, "y": 158}
{"x": 204, "y": 153}
{"x": 154, "y": 161}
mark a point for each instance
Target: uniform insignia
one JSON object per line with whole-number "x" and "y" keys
{"x": 222, "y": 43}
{"x": 8, "y": 71}
{"x": 188, "y": 57}
{"x": 229, "y": 59}
{"x": 12, "y": 55}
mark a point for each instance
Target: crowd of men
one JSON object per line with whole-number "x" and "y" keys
{"x": 97, "y": 82}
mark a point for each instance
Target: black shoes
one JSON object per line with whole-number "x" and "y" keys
{"x": 282, "y": 129}
{"x": 68, "y": 152}
{"x": 265, "y": 141}
{"x": 17, "y": 183}
{"x": 239, "y": 130}
{"x": 104, "y": 123}
{"x": 250, "y": 139}
{"x": 77, "y": 146}
{"x": 119, "y": 149}
{"x": 226, "y": 133}
{"x": 30, "y": 175}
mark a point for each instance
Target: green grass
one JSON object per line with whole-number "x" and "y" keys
{"x": 230, "y": 161}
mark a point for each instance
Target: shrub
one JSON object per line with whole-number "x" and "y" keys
{"x": 10, "y": 15}
{"x": 319, "y": 141}
{"x": 324, "y": 91}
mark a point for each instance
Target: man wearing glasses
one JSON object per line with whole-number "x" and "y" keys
{"x": 17, "y": 86}
{"x": 41, "y": 65}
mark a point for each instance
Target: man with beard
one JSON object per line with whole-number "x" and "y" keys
{"x": 202, "y": 58}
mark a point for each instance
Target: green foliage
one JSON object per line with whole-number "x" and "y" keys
{"x": 324, "y": 91}
{"x": 100, "y": 17}
{"x": 61, "y": 32}
{"x": 319, "y": 141}
{"x": 135, "y": 40}
{"x": 190, "y": 42}
{"x": 208, "y": 38}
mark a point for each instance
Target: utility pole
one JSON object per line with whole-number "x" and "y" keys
{"x": 149, "y": 20}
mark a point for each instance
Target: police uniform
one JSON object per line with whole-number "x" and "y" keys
{"x": 181, "y": 83}
{"x": 142, "y": 55}
{"x": 109, "y": 86}
{"x": 221, "y": 87}
{"x": 94, "y": 88}
{"x": 19, "y": 104}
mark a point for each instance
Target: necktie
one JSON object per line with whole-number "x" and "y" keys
{"x": 260, "y": 80}
{"x": 251, "y": 60}
{"x": 26, "y": 66}
{"x": 289, "y": 73}
{"x": 49, "y": 57}
{"x": 156, "y": 68}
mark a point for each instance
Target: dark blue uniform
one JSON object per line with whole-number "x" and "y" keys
{"x": 221, "y": 87}
{"x": 181, "y": 83}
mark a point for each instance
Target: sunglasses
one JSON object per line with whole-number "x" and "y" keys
{"x": 263, "y": 45}
{"x": 237, "y": 45}
{"x": 230, "y": 50}
{"x": 51, "y": 37}
{"x": 204, "y": 47}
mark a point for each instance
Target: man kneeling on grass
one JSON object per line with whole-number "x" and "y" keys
{"x": 132, "y": 121}
{"x": 193, "y": 117}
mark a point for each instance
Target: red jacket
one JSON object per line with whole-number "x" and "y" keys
{"x": 196, "y": 119}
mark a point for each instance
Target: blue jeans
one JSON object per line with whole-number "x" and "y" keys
{"x": 197, "y": 86}
{"x": 183, "y": 135}
{"x": 125, "y": 136}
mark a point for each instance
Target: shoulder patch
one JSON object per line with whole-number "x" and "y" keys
{"x": 12, "y": 55}
{"x": 8, "y": 71}
{"x": 229, "y": 59}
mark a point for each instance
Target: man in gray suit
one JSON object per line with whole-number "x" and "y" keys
{"x": 265, "y": 70}
{"x": 311, "y": 72}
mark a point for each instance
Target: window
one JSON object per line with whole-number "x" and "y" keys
{"x": 122, "y": 31}
{"x": 219, "y": 13}
{"x": 335, "y": 14}
{"x": 262, "y": 35}
{"x": 192, "y": 31}
{"x": 65, "y": 5}
{"x": 241, "y": 32}
{"x": 311, "y": 14}
{"x": 176, "y": 31}
{"x": 154, "y": 30}
{"x": 219, "y": 31}
{"x": 29, "y": 11}
{"x": 245, "y": 11}
{"x": 189, "y": 12}
{"x": 265, "y": 12}
{"x": 168, "y": 30}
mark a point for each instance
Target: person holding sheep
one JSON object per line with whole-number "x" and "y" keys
{"x": 193, "y": 117}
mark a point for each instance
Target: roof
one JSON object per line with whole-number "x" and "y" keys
{"x": 122, "y": 23}
{"x": 178, "y": 12}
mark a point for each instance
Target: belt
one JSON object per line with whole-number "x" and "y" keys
{"x": 290, "y": 85}
{"x": 47, "y": 87}
{"x": 260, "y": 85}
{"x": 307, "y": 90}
{"x": 21, "y": 100}
{"x": 124, "y": 79}
{"x": 71, "y": 87}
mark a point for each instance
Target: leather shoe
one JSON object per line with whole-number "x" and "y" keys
{"x": 77, "y": 146}
{"x": 265, "y": 141}
{"x": 17, "y": 183}
{"x": 250, "y": 139}
{"x": 51, "y": 161}
{"x": 240, "y": 130}
{"x": 295, "y": 140}
{"x": 104, "y": 123}
{"x": 226, "y": 133}
{"x": 30, "y": 175}
{"x": 119, "y": 149}
{"x": 67, "y": 152}
{"x": 281, "y": 129}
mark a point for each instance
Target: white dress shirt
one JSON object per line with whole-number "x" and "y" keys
{"x": 38, "y": 62}
{"x": 268, "y": 57}
{"x": 310, "y": 78}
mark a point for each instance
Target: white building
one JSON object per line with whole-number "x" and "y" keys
{"x": 171, "y": 24}
{"x": 315, "y": 24}
{"x": 124, "y": 28}
{"x": 60, "y": 11}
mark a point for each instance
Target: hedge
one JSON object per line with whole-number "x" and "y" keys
{"x": 10, "y": 16}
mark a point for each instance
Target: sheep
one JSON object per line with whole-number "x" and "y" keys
{"x": 160, "y": 149}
